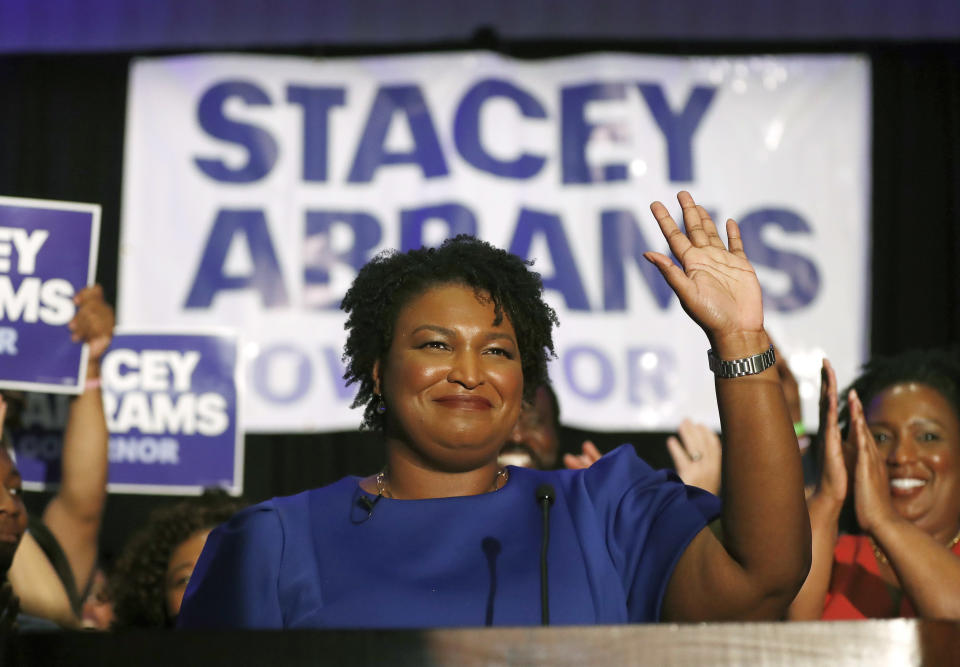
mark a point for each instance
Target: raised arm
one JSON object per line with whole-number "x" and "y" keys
{"x": 74, "y": 513}
{"x": 764, "y": 558}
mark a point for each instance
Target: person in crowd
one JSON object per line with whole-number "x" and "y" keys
{"x": 56, "y": 558}
{"x": 899, "y": 462}
{"x": 809, "y": 456}
{"x": 443, "y": 343}
{"x": 535, "y": 441}
{"x": 13, "y": 524}
{"x": 96, "y": 612}
{"x": 151, "y": 574}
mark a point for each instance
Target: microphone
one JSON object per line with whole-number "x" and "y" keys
{"x": 545, "y": 497}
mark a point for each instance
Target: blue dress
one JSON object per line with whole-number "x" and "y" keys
{"x": 320, "y": 559}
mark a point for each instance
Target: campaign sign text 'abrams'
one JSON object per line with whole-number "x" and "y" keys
{"x": 47, "y": 255}
{"x": 284, "y": 176}
{"x": 170, "y": 402}
{"x": 171, "y": 405}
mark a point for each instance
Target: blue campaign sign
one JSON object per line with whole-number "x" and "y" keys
{"x": 48, "y": 253}
{"x": 171, "y": 405}
{"x": 171, "y": 402}
{"x": 38, "y": 439}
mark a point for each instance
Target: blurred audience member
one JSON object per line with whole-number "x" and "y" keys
{"x": 153, "y": 570}
{"x": 55, "y": 561}
{"x": 791, "y": 392}
{"x": 13, "y": 523}
{"x": 535, "y": 440}
{"x": 901, "y": 465}
{"x": 97, "y": 610}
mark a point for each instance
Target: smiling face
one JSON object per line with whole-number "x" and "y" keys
{"x": 918, "y": 432}
{"x": 451, "y": 381}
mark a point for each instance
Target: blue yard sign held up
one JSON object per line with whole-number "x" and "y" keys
{"x": 171, "y": 402}
{"x": 48, "y": 253}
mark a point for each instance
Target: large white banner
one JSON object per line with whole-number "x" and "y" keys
{"x": 255, "y": 186}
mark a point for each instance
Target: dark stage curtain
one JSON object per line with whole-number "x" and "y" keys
{"x": 916, "y": 198}
{"x": 61, "y": 132}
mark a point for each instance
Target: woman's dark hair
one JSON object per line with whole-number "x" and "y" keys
{"x": 937, "y": 368}
{"x": 137, "y": 586}
{"x": 391, "y": 279}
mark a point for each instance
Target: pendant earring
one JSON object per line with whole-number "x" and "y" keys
{"x": 381, "y": 406}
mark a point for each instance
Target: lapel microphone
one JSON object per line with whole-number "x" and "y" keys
{"x": 363, "y": 508}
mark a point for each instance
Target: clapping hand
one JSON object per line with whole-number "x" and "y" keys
{"x": 835, "y": 471}
{"x": 717, "y": 287}
{"x": 871, "y": 484}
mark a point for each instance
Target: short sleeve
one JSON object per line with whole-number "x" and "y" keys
{"x": 234, "y": 584}
{"x": 649, "y": 517}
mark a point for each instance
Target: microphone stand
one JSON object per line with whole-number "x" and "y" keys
{"x": 545, "y": 498}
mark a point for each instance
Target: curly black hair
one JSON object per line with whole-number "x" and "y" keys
{"x": 137, "y": 586}
{"x": 936, "y": 368}
{"x": 391, "y": 279}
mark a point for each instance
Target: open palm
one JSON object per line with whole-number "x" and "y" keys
{"x": 834, "y": 476}
{"x": 716, "y": 286}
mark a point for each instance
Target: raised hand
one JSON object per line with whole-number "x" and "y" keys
{"x": 835, "y": 473}
{"x": 871, "y": 491}
{"x": 717, "y": 287}
{"x": 93, "y": 322}
{"x": 696, "y": 455}
{"x": 590, "y": 455}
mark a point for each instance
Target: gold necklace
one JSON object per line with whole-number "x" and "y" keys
{"x": 882, "y": 557}
{"x": 498, "y": 481}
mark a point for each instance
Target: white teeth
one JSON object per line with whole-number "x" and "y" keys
{"x": 907, "y": 483}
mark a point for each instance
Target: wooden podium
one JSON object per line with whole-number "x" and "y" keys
{"x": 893, "y": 642}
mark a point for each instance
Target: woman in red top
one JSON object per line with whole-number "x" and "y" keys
{"x": 901, "y": 462}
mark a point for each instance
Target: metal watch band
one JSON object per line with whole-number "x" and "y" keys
{"x": 739, "y": 367}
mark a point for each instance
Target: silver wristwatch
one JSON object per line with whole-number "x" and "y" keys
{"x": 739, "y": 367}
